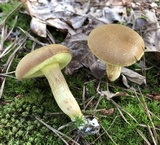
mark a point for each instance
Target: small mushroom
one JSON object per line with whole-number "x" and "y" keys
{"x": 117, "y": 46}
{"x": 48, "y": 61}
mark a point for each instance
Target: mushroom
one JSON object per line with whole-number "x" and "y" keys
{"x": 117, "y": 46}
{"x": 48, "y": 61}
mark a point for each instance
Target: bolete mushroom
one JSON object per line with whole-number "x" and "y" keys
{"x": 48, "y": 61}
{"x": 117, "y": 46}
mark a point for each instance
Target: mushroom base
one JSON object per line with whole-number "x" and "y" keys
{"x": 89, "y": 127}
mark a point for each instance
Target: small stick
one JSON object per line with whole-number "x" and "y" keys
{"x": 144, "y": 105}
{"x": 143, "y": 136}
{"x": 109, "y": 136}
{"x": 58, "y": 133}
{"x": 152, "y": 136}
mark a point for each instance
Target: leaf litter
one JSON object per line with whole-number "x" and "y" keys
{"x": 78, "y": 18}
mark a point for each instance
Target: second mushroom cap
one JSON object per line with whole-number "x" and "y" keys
{"x": 117, "y": 46}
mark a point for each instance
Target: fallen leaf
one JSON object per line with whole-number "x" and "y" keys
{"x": 133, "y": 76}
{"x": 107, "y": 112}
{"x": 154, "y": 96}
{"x": 78, "y": 18}
{"x": 38, "y": 27}
{"x": 70, "y": 15}
{"x": 4, "y": 1}
{"x": 98, "y": 69}
{"x": 125, "y": 81}
{"x": 110, "y": 95}
{"x": 151, "y": 35}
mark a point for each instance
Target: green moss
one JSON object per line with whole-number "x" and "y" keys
{"x": 18, "y": 123}
{"x": 22, "y": 18}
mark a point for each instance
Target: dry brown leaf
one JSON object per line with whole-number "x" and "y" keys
{"x": 154, "y": 96}
{"x": 38, "y": 27}
{"x": 151, "y": 35}
{"x": 70, "y": 15}
{"x": 81, "y": 54}
{"x": 107, "y": 112}
{"x": 4, "y": 1}
{"x": 125, "y": 81}
{"x": 146, "y": 23}
{"x": 98, "y": 69}
{"x": 110, "y": 95}
{"x": 78, "y": 18}
{"x": 134, "y": 76}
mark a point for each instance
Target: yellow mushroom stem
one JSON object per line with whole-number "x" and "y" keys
{"x": 61, "y": 92}
{"x": 113, "y": 71}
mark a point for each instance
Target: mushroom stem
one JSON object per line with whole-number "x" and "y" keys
{"x": 66, "y": 101}
{"x": 61, "y": 92}
{"x": 113, "y": 71}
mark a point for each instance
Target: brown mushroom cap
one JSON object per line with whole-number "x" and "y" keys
{"x": 116, "y": 44}
{"x": 30, "y": 65}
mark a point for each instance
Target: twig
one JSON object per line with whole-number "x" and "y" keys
{"x": 143, "y": 125}
{"x": 51, "y": 37}
{"x": 8, "y": 49}
{"x": 124, "y": 110}
{"x": 8, "y": 64}
{"x": 58, "y": 133}
{"x": 15, "y": 21}
{"x": 143, "y": 136}
{"x": 31, "y": 37}
{"x": 112, "y": 122}
{"x": 152, "y": 135}
{"x": 123, "y": 116}
{"x": 4, "y": 29}
{"x": 4, "y": 80}
{"x": 107, "y": 129}
{"x": 90, "y": 100}
{"x": 7, "y": 75}
{"x": 144, "y": 105}
{"x": 66, "y": 125}
{"x": 15, "y": 51}
{"x": 4, "y": 37}
{"x": 109, "y": 135}
{"x": 83, "y": 98}
{"x": 4, "y": 21}
{"x": 54, "y": 113}
{"x": 154, "y": 115}
{"x": 99, "y": 99}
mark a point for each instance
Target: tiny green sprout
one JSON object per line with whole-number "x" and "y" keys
{"x": 14, "y": 129}
{"x": 79, "y": 121}
{"x": 30, "y": 127}
{"x": 31, "y": 139}
{"x": 4, "y": 121}
{"x": 19, "y": 133}
{"x": 8, "y": 116}
{"x": 25, "y": 114}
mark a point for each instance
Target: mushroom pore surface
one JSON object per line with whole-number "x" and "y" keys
{"x": 116, "y": 44}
